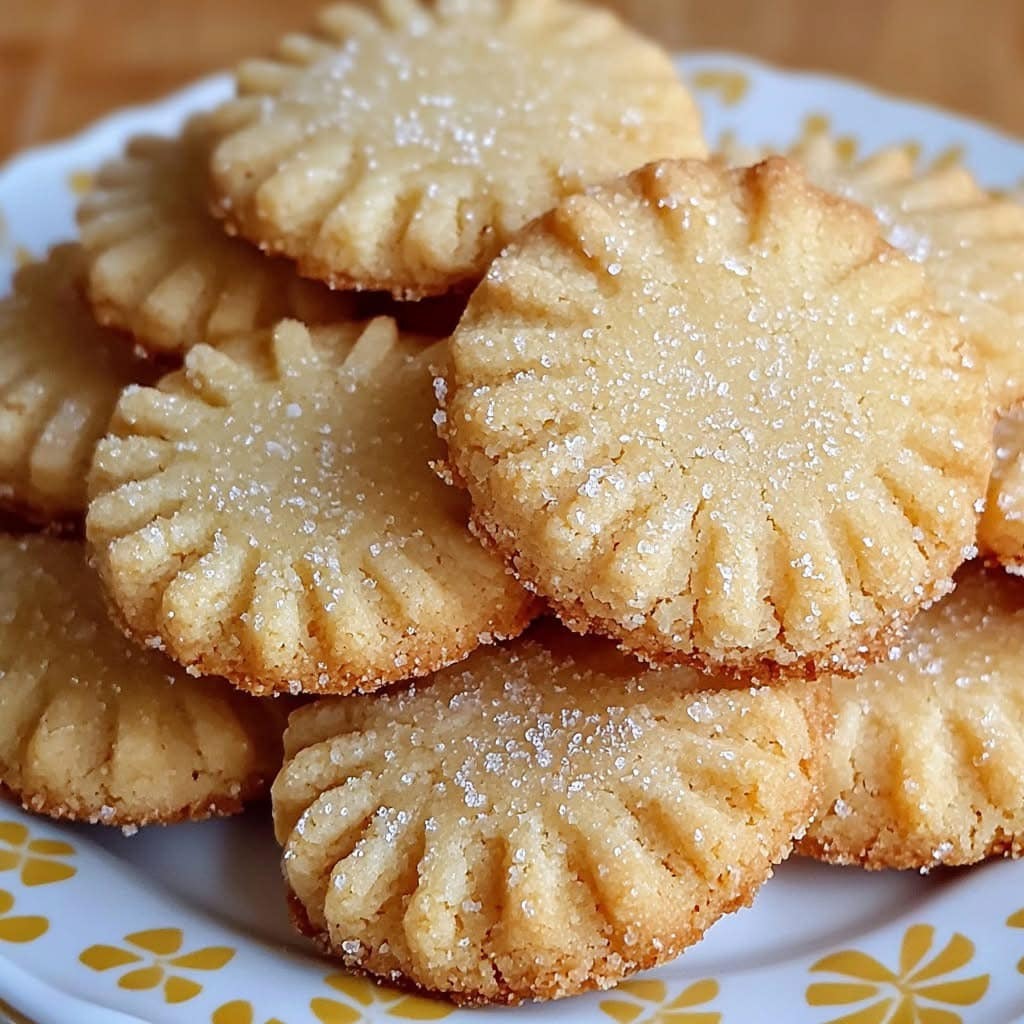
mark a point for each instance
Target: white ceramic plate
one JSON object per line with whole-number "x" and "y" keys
{"x": 186, "y": 925}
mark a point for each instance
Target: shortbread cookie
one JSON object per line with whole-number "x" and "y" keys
{"x": 270, "y": 514}
{"x": 399, "y": 146}
{"x": 60, "y": 376}
{"x": 161, "y": 267}
{"x": 711, "y": 414}
{"x": 1001, "y": 529}
{"x": 95, "y": 729}
{"x": 548, "y": 817}
{"x": 971, "y": 243}
{"x": 928, "y": 759}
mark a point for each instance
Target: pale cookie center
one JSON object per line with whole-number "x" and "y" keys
{"x": 463, "y": 97}
{"x": 328, "y": 458}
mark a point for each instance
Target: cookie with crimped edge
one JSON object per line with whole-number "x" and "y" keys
{"x": 95, "y": 729}
{"x": 60, "y": 375}
{"x": 399, "y": 145}
{"x": 1001, "y": 529}
{"x": 546, "y": 818}
{"x": 269, "y": 513}
{"x": 927, "y": 764}
{"x": 970, "y": 242}
{"x": 713, "y": 415}
{"x": 159, "y": 265}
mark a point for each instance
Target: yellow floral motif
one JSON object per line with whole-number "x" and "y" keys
{"x": 238, "y": 1012}
{"x": 731, "y": 86}
{"x": 685, "y": 1008}
{"x": 1017, "y": 921}
{"x": 365, "y": 993}
{"x": 901, "y": 996}
{"x": 80, "y": 182}
{"x": 17, "y": 928}
{"x": 160, "y": 952}
{"x": 38, "y": 859}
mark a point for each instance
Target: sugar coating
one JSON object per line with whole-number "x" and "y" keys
{"x": 1001, "y": 529}
{"x": 927, "y": 766}
{"x": 399, "y": 146}
{"x": 547, "y": 817}
{"x": 971, "y": 243}
{"x": 60, "y": 375}
{"x": 270, "y": 514}
{"x": 95, "y": 729}
{"x": 712, "y": 414}
{"x": 160, "y": 266}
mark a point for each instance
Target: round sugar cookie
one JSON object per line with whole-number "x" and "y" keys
{"x": 95, "y": 729}
{"x": 970, "y": 242}
{"x": 927, "y": 766}
{"x": 399, "y": 146}
{"x": 546, "y": 818}
{"x": 270, "y": 514}
{"x": 160, "y": 266}
{"x": 1001, "y": 528}
{"x": 60, "y": 375}
{"x": 711, "y": 414}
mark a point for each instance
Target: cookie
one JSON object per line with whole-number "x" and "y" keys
{"x": 270, "y": 514}
{"x": 399, "y": 145}
{"x": 1001, "y": 528}
{"x": 60, "y": 375}
{"x": 711, "y": 414}
{"x": 546, "y": 818}
{"x": 927, "y": 765}
{"x": 95, "y": 729}
{"x": 159, "y": 265}
{"x": 971, "y": 243}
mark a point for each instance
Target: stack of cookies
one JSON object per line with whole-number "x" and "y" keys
{"x": 448, "y": 323}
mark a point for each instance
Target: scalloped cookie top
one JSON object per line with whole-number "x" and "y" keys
{"x": 928, "y": 758}
{"x": 1001, "y": 529}
{"x": 160, "y": 266}
{"x": 543, "y": 819}
{"x": 711, "y": 414}
{"x": 971, "y": 243}
{"x": 399, "y": 146}
{"x": 96, "y": 729}
{"x": 60, "y": 375}
{"x": 270, "y": 514}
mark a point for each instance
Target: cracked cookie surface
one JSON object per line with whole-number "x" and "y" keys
{"x": 546, "y": 818}
{"x": 714, "y": 415}
{"x": 270, "y": 514}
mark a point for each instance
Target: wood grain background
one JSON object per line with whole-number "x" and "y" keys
{"x": 65, "y": 62}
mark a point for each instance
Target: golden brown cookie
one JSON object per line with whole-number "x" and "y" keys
{"x": 1001, "y": 529}
{"x": 60, "y": 376}
{"x": 160, "y": 266}
{"x": 399, "y": 146}
{"x": 270, "y": 514}
{"x": 713, "y": 415}
{"x": 546, "y": 818}
{"x": 927, "y": 765}
{"x": 971, "y": 243}
{"x": 95, "y": 729}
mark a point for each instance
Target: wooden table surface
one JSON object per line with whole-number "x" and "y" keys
{"x": 65, "y": 62}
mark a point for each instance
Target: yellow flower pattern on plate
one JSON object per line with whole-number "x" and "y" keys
{"x": 40, "y": 860}
{"x": 15, "y": 928}
{"x": 154, "y": 957}
{"x": 363, "y": 993}
{"x": 688, "y": 1007}
{"x": 238, "y": 1012}
{"x": 1017, "y": 921}
{"x": 903, "y": 995}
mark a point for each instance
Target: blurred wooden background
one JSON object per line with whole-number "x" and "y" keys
{"x": 65, "y": 62}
